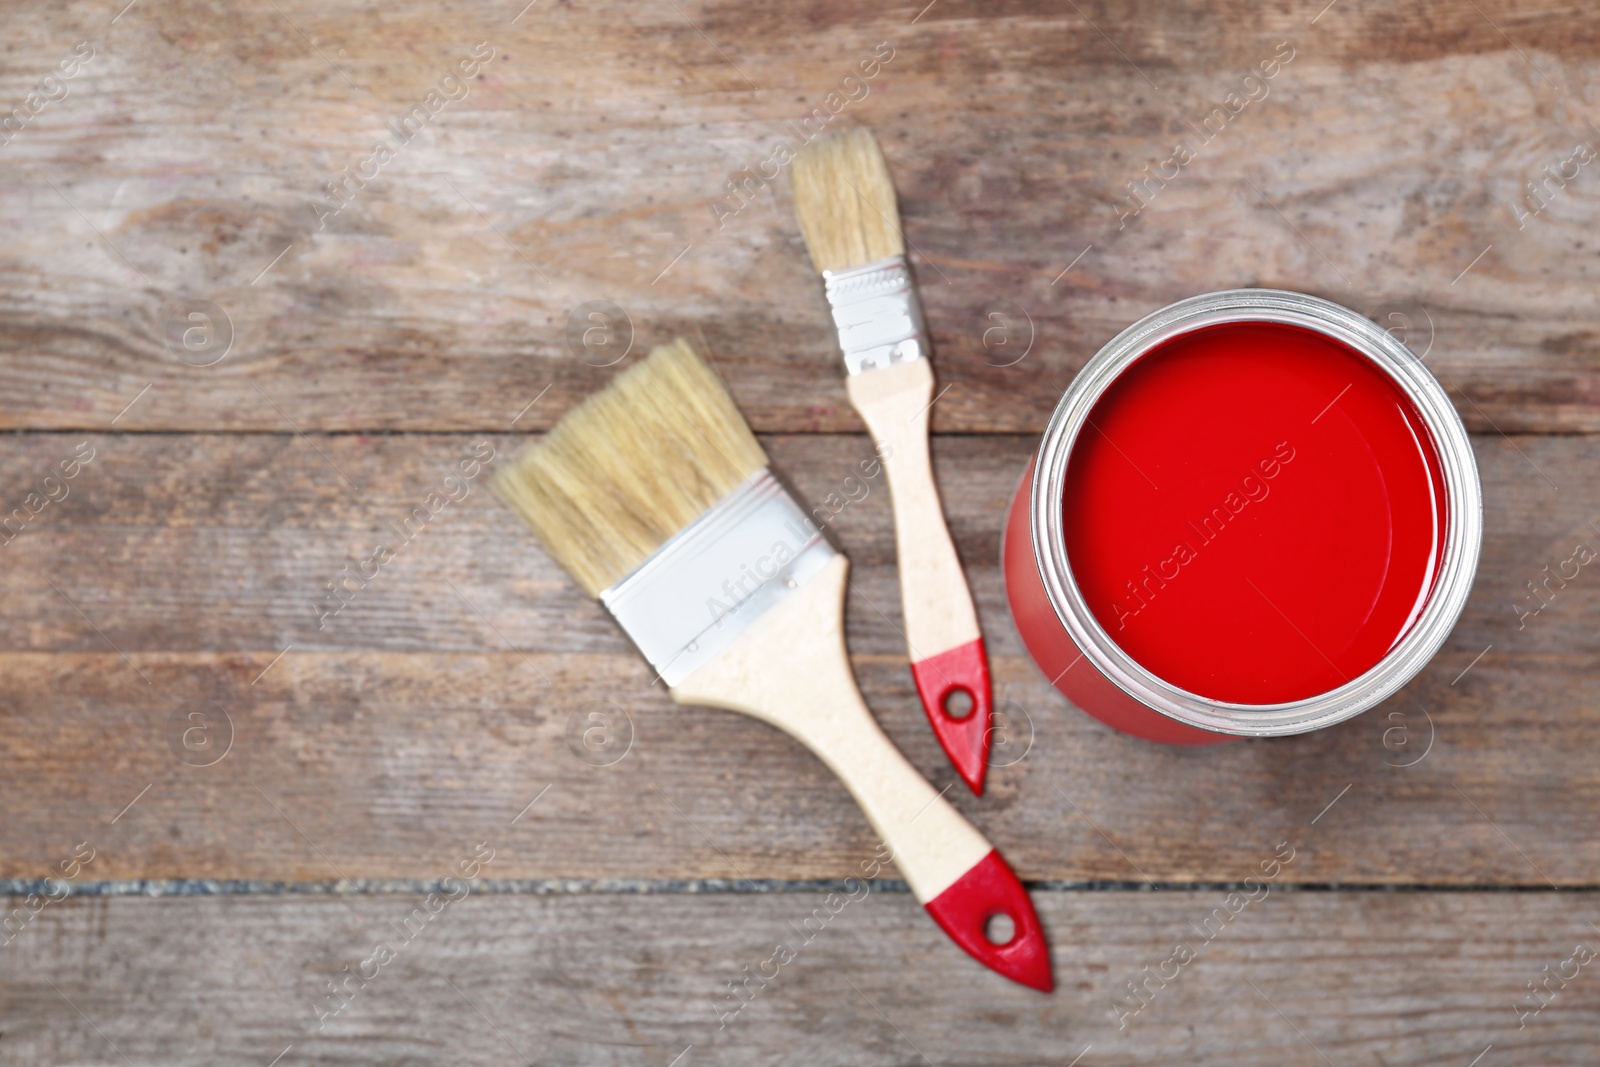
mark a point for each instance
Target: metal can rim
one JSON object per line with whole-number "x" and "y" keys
{"x": 1462, "y": 538}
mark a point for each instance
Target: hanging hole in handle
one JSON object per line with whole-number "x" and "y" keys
{"x": 999, "y": 929}
{"x": 958, "y": 702}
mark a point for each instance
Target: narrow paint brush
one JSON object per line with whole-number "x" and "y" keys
{"x": 655, "y": 497}
{"x": 847, "y": 211}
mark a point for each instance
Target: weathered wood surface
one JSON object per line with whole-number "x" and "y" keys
{"x": 1292, "y": 980}
{"x": 454, "y": 688}
{"x": 1380, "y": 167}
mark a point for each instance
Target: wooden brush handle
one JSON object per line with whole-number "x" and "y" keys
{"x": 942, "y": 635}
{"x": 790, "y": 669}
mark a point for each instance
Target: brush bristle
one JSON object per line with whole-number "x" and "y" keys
{"x": 632, "y": 465}
{"x": 845, "y": 201}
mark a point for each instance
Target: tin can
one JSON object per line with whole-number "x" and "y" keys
{"x": 1079, "y": 627}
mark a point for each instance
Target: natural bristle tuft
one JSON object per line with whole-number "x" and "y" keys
{"x": 845, "y": 201}
{"x": 632, "y": 465}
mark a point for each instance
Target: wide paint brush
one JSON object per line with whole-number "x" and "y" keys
{"x": 847, "y": 210}
{"x": 655, "y": 497}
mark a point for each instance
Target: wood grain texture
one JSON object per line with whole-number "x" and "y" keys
{"x": 459, "y": 682}
{"x": 469, "y": 693}
{"x": 1293, "y": 980}
{"x": 1380, "y": 167}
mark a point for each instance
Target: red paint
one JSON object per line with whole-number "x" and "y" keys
{"x": 965, "y": 740}
{"x": 963, "y": 911}
{"x": 1254, "y": 512}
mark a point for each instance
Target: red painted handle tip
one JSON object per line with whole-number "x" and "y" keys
{"x": 968, "y": 911}
{"x": 940, "y": 681}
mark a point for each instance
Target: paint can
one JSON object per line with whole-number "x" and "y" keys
{"x": 1216, "y": 540}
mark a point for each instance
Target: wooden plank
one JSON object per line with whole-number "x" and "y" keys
{"x": 1291, "y": 980}
{"x": 367, "y": 765}
{"x": 457, "y": 687}
{"x": 190, "y": 543}
{"x": 1382, "y": 168}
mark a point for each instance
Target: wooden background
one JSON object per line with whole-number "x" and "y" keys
{"x": 1447, "y": 844}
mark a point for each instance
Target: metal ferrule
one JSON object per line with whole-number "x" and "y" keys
{"x": 717, "y": 576}
{"x": 877, "y": 314}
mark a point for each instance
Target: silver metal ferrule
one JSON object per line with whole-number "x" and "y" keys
{"x": 877, "y": 314}
{"x": 710, "y": 582}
